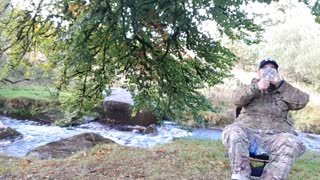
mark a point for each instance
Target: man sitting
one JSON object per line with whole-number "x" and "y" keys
{"x": 265, "y": 105}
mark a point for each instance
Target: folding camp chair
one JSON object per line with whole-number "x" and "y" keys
{"x": 257, "y": 164}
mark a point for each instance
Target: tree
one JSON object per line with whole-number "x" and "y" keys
{"x": 154, "y": 45}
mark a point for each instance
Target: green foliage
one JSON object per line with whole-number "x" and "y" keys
{"x": 155, "y": 47}
{"x": 67, "y": 119}
{"x": 22, "y": 113}
{"x": 316, "y": 10}
{"x": 21, "y": 107}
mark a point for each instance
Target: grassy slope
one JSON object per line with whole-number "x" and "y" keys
{"x": 182, "y": 159}
{"x": 34, "y": 93}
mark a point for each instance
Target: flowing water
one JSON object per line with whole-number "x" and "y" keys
{"x": 35, "y": 135}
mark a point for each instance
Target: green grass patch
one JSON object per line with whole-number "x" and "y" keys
{"x": 39, "y": 94}
{"x": 306, "y": 167}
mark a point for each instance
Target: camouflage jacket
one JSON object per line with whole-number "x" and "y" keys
{"x": 268, "y": 110}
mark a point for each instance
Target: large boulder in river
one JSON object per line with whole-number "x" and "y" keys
{"x": 8, "y": 133}
{"x": 118, "y": 109}
{"x": 66, "y": 147}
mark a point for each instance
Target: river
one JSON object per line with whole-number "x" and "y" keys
{"x": 35, "y": 135}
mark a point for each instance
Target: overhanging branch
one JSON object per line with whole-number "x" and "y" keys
{"x": 13, "y": 82}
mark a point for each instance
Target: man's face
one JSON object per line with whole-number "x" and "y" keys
{"x": 261, "y": 70}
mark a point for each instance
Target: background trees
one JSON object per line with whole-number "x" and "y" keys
{"x": 291, "y": 37}
{"x": 154, "y": 48}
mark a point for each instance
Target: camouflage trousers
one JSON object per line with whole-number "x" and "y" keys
{"x": 283, "y": 149}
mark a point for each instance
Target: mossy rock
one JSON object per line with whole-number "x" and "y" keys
{"x": 48, "y": 116}
{"x": 8, "y": 133}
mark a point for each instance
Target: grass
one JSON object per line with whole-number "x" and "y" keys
{"x": 33, "y": 93}
{"x": 308, "y": 119}
{"x": 181, "y": 159}
{"x": 306, "y": 167}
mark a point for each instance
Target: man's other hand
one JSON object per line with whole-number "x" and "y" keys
{"x": 275, "y": 80}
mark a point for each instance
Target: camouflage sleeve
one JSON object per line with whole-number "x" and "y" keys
{"x": 246, "y": 93}
{"x": 295, "y": 98}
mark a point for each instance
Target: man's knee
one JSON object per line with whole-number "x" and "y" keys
{"x": 233, "y": 134}
{"x": 289, "y": 143}
{"x": 285, "y": 148}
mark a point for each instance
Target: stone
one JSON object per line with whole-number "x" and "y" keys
{"x": 151, "y": 129}
{"x": 117, "y": 112}
{"x": 8, "y": 133}
{"x": 143, "y": 118}
{"x": 118, "y": 109}
{"x": 48, "y": 116}
{"x": 136, "y": 128}
{"x": 66, "y": 147}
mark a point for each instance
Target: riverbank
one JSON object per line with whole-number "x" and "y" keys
{"x": 37, "y": 104}
{"x": 181, "y": 159}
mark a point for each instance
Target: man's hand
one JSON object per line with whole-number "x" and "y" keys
{"x": 263, "y": 84}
